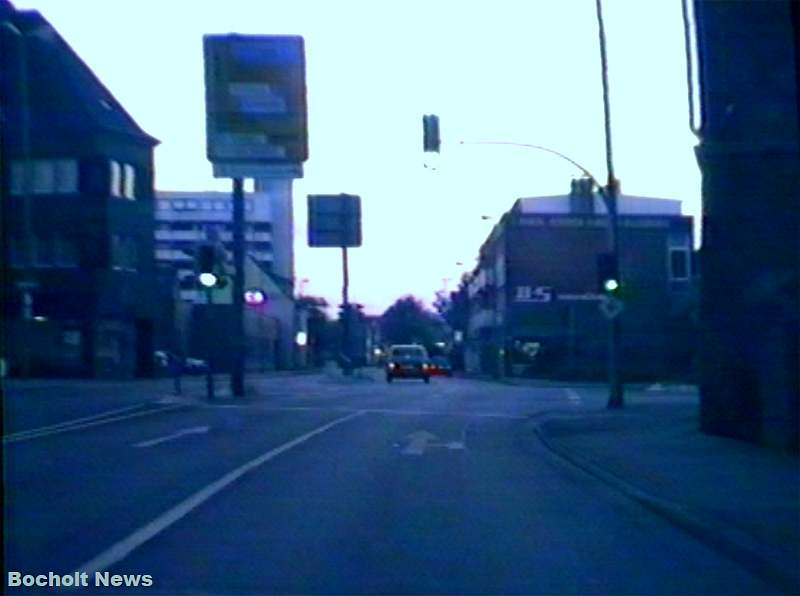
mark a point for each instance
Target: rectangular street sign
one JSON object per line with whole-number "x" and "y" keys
{"x": 255, "y": 99}
{"x": 334, "y": 220}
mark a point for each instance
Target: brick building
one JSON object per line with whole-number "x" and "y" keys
{"x": 534, "y": 297}
{"x": 79, "y": 286}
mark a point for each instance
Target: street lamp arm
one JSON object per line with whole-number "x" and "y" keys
{"x": 585, "y": 172}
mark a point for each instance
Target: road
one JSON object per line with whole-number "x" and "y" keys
{"x": 318, "y": 485}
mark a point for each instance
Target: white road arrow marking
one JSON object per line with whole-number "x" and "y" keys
{"x": 421, "y": 440}
{"x": 418, "y": 442}
{"x": 196, "y": 430}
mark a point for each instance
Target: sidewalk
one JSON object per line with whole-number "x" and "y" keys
{"x": 742, "y": 499}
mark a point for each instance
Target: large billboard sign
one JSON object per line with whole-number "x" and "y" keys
{"x": 334, "y": 220}
{"x": 255, "y": 100}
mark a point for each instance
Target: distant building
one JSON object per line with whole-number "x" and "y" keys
{"x": 80, "y": 290}
{"x": 185, "y": 220}
{"x": 534, "y": 298}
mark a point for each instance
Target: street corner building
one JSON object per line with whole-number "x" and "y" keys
{"x": 79, "y": 284}
{"x": 535, "y": 305}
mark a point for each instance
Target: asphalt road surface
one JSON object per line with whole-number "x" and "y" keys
{"x": 316, "y": 485}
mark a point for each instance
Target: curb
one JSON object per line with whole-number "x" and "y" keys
{"x": 758, "y": 558}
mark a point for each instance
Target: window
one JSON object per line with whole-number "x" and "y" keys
{"x": 678, "y": 264}
{"x": 178, "y": 204}
{"x": 219, "y": 205}
{"x": 66, "y": 252}
{"x": 115, "y": 179}
{"x": 162, "y": 205}
{"x": 47, "y": 176}
{"x": 679, "y": 256}
{"x": 129, "y": 182}
{"x": 17, "y": 183}
{"x": 44, "y": 251}
{"x": 15, "y": 251}
{"x": 124, "y": 253}
{"x": 191, "y": 204}
{"x": 43, "y": 179}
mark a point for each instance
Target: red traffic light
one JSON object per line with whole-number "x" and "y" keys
{"x": 254, "y": 297}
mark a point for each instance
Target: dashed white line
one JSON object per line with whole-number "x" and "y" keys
{"x": 195, "y": 430}
{"x": 124, "y": 547}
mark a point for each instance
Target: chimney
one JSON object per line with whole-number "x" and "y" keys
{"x": 581, "y": 197}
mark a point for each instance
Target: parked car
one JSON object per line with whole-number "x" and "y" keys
{"x": 407, "y": 361}
{"x": 440, "y": 366}
{"x": 195, "y": 366}
{"x": 161, "y": 360}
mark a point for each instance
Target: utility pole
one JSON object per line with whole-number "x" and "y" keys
{"x": 615, "y": 394}
{"x": 237, "y": 372}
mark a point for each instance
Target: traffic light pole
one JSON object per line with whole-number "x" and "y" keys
{"x": 615, "y": 390}
{"x": 611, "y": 195}
{"x": 210, "y": 350}
{"x": 347, "y": 368}
{"x": 237, "y": 372}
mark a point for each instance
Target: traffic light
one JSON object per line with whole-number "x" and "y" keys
{"x": 208, "y": 267}
{"x": 205, "y": 263}
{"x": 430, "y": 133}
{"x": 608, "y": 273}
{"x": 255, "y": 297}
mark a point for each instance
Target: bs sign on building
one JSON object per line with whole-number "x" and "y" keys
{"x": 255, "y": 104}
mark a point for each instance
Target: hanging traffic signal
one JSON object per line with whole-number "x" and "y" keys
{"x": 430, "y": 133}
{"x": 608, "y": 273}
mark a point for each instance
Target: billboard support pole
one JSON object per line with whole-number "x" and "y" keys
{"x": 237, "y": 371}
{"x": 347, "y": 365}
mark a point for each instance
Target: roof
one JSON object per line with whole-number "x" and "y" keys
{"x": 627, "y": 205}
{"x": 64, "y": 95}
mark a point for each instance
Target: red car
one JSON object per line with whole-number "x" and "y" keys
{"x": 440, "y": 366}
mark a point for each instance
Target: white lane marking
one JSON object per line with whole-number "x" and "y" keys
{"x": 195, "y": 430}
{"x": 72, "y": 422}
{"x": 421, "y": 440}
{"x": 126, "y": 546}
{"x": 572, "y": 395}
{"x": 380, "y": 411}
{"x": 65, "y": 429}
{"x": 418, "y": 442}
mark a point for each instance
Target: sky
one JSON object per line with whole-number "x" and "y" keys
{"x": 495, "y": 70}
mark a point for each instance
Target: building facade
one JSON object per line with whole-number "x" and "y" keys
{"x": 749, "y": 155}
{"x": 80, "y": 289}
{"x": 535, "y": 302}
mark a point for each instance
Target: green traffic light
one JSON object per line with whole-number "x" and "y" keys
{"x": 611, "y": 285}
{"x": 207, "y": 280}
